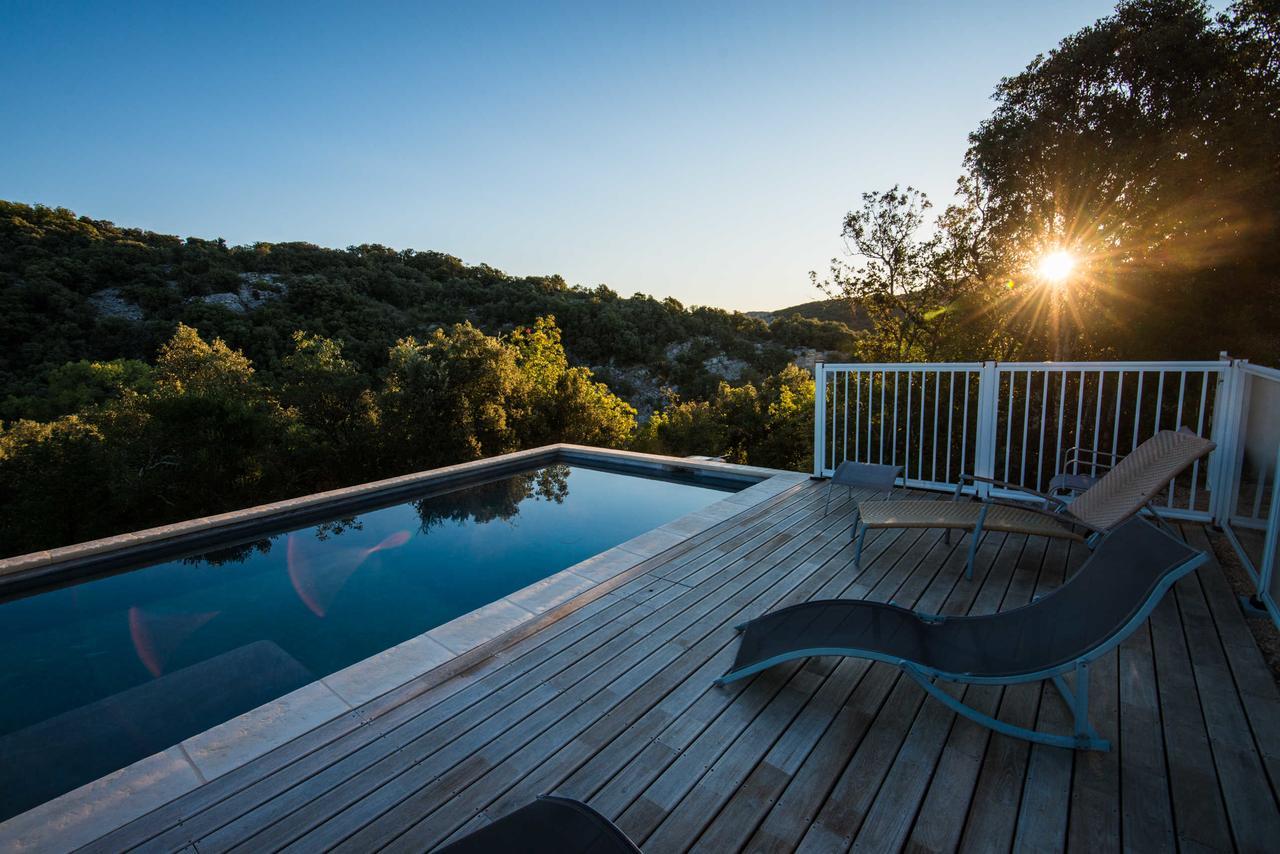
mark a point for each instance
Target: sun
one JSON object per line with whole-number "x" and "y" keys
{"x": 1054, "y": 267}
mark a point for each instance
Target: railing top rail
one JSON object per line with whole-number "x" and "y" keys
{"x": 1117, "y": 366}
{"x": 1036, "y": 366}
{"x": 902, "y": 366}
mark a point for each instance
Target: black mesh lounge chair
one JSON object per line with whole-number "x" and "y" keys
{"x": 1062, "y": 632}
{"x": 549, "y": 825}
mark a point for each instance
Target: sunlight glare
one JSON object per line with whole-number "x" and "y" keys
{"x": 1056, "y": 266}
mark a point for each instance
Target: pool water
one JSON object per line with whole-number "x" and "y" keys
{"x": 97, "y": 675}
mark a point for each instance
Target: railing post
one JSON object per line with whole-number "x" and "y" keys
{"x": 1225, "y": 460}
{"x": 984, "y": 461}
{"x": 819, "y": 417}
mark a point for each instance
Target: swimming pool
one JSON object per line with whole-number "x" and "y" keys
{"x": 107, "y": 671}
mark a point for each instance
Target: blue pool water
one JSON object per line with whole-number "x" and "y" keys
{"x": 99, "y": 674}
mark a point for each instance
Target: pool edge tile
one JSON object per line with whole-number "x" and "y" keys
{"x": 244, "y": 738}
{"x": 653, "y": 542}
{"x": 607, "y": 564}
{"x": 86, "y": 813}
{"x": 374, "y": 676}
{"x": 465, "y": 633}
{"x": 545, "y": 594}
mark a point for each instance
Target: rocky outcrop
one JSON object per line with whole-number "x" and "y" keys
{"x": 726, "y": 367}
{"x": 111, "y": 302}
{"x": 636, "y": 385}
{"x": 255, "y": 291}
{"x": 807, "y": 357}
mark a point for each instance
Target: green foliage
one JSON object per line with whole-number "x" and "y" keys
{"x": 77, "y": 385}
{"x": 770, "y": 426}
{"x": 457, "y": 396}
{"x": 56, "y": 477}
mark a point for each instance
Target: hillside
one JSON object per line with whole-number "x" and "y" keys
{"x": 830, "y": 310}
{"x": 75, "y": 288}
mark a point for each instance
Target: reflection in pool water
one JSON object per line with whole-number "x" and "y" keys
{"x": 318, "y": 578}
{"x": 105, "y": 672}
{"x": 156, "y": 636}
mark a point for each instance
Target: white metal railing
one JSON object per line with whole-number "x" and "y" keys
{"x": 1018, "y": 422}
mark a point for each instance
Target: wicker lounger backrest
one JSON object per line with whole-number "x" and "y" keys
{"x": 1138, "y": 478}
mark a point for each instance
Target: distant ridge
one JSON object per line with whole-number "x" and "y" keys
{"x": 838, "y": 310}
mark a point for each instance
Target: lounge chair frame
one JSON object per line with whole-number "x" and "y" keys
{"x": 1075, "y": 693}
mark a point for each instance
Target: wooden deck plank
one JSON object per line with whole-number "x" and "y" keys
{"x": 853, "y": 796}
{"x": 612, "y": 782}
{"x": 1094, "y": 822}
{"x": 1254, "y": 683}
{"x": 738, "y": 819}
{"x": 560, "y": 763}
{"x": 993, "y": 814}
{"x": 1146, "y": 811}
{"x": 1252, "y": 811}
{"x": 712, "y": 701}
{"x": 1046, "y": 790}
{"x": 1200, "y": 816}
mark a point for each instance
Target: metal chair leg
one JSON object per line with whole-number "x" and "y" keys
{"x": 857, "y": 550}
{"x": 973, "y": 545}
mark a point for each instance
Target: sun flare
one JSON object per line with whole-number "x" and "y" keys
{"x": 1054, "y": 267}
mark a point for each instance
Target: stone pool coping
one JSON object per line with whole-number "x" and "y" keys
{"x": 96, "y": 808}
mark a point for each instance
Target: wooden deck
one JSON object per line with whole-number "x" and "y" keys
{"x": 615, "y": 704}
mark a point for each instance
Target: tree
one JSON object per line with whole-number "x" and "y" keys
{"x": 55, "y": 484}
{"x": 918, "y": 286}
{"x": 455, "y": 397}
{"x": 209, "y": 435}
{"x": 1149, "y": 145}
{"x": 336, "y": 413}
{"x": 81, "y": 384}
{"x": 566, "y": 404}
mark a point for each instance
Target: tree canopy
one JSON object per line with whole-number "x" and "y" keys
{"x": 1147, "y": 146}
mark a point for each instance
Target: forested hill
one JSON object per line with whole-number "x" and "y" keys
{"x": 74, "y": 288}
{"x": 838, "y": 310}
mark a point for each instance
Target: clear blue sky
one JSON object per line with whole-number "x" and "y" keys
{"x": 706, "y": 152}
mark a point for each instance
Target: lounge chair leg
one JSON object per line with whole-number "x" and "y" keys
{"x": 973, "y": 544}
{"x": 1088, "y": 741}
{"x": 1078, "y": 701}
{"x": 827, "y": 509}
{"x": 857, "y": 550}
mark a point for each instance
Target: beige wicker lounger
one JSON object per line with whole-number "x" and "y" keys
{"x": 1120, "y": 493}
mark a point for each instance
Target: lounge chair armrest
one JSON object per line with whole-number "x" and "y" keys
{"x": 1075, "y": 451}
{"x": 1004, "y": 484}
